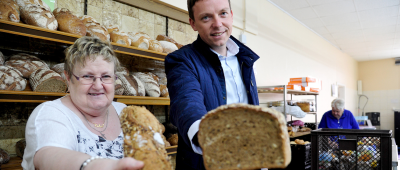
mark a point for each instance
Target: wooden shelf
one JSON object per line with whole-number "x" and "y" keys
{"x": 15, "y": 162}
{"x": 67, "y": 38}
{"x": 269, "y": 89}
{"x": 40, "y": 97}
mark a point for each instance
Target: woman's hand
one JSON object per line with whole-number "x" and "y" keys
{"x": 109, "y": 164}
{"x": 129, "y": 164}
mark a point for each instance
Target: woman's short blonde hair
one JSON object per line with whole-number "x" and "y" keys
{"x": 90, "y": 48}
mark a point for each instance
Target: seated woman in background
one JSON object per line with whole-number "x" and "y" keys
{"x": 338, "y": 117}
{"x": 81, "y": 130}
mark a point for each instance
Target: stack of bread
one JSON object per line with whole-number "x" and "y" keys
{"x": 143, "y": 139}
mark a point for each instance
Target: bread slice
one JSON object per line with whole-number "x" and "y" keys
{"x": 240, "y": 136}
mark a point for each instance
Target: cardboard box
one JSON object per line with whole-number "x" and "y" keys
{"x": 305, "y": 88}
{"x": 304, "y": 79}
{"x": 317, "y": 84}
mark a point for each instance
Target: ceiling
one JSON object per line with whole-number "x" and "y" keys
{"x": 364, "y": 29}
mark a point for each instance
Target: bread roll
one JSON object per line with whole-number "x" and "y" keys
{"x": 120, "y": 38}
{"x": 240, "y": 136}
{"x": 132, "y": 85}
{"x": 139, "y": 40}
{"x": 46, "y": 80}
{"x": 163, "y": 91}
{"x": 23, "y": 3}
{"x": 2, "y": 59}
{"x": 173, "y": 140}
{"x": 37, "y": 15}
{"x": 151, "y": 86}
{"x": 154, "y": 45}
{"x": 165, "y": 38}
{"x": 168, "y": 47}
{"x": 119, "y": 90}
{"x": 11, "y": 79}
{"x": 111, "y": 28}
{"x": 9, "y": 11}
{"x": 143, "y": 138}
{"x": 68, "y": 22}
{"x": 94, "y": 29}
{"x": 26, "y": 64}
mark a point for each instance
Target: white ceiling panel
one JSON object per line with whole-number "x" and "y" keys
{"x": 380, "y": 13}
{"x": 373, "y": 4}
{"x": 364, "y": 29}
{"x": 292, "y": 4}
{"x": 336, "y": 8}
{"x": 340, "y": 19}
{"x": 344, "y": 27}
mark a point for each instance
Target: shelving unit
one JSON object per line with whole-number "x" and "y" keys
{"x": 20, "y": 30}
{"x": 285, "y": 91}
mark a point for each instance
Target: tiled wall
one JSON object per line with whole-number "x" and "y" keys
{"x": 131, "y": 19}
{"x": 383, "y": 101}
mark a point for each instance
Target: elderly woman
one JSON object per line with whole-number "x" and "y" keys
{"x": 80, "y": 130}
{"x": 338, "y": 117}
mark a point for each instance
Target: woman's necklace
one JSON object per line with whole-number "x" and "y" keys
{"x": 87, "y": 121}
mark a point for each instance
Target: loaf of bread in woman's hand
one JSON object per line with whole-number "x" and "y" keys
{"x": 240, "y": 136}
{"x": 143, "y": 138}
{"x": 9, "y": 11}
{"x": 68, "y": 22}
{"x": 38, "y": 15}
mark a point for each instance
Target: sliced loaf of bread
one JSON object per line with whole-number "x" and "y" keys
{"x": 240, "y": 136}
{"x": 46, "y": 80}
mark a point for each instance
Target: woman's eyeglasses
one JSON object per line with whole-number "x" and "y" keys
{"x": 88, "y": 79}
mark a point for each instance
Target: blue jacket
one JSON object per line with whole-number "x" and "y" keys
{"x": 347, "y": 121}
{"x": 196, "y": 85}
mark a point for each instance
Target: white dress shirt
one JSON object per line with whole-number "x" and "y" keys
{"x": 235, "y": 89}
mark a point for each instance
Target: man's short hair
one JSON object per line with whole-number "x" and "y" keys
{"x": 190, "y": 4}
{"x": 338, "y": 104}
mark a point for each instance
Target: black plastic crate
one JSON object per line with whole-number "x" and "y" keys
{"x": 351, "y": 149}
{"x": 301, "y": 157}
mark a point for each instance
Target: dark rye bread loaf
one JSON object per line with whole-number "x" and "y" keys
{"x": 132, "y": 85}
{"x": 46, "y": 80}
{"x": 240, "y": 136}
{"x": 143, "y": 139}
{"x": 11, "y": 79}
{"x": 25, "y": 63}
{"x": 150, "y": 82}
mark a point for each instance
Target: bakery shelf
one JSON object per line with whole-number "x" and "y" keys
{"x": 172, "y": 150}
{"x": 40, "y": 97}
{"x": 67, "y": 38}
{"x": 285, "y": 91}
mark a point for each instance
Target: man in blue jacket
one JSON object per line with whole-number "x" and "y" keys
{"x": 338, "y": 117}
{"x": 214, "y": 70}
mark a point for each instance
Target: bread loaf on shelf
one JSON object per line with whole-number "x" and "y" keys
{"x": 59, "y": 68}
{"x": 37, "y": 15}
{"x": 143, "y": 138}
{"x": 94, "y": 29}
{"x": 111, "y": 28}
{"x": 154, "y": 45}
{"x": 4, "y": 157}
{"x": 120, "y": 37}
{"x": 68, "y": 22}
{"x": 132, "y": 85}
{"x": 9, "y": 11}
{"x": 2, "y": 59}
{"x": 139, "y": 40}
{"x": 11, "y": 79}
{"x": 123, "y": 70}
{"x": 119, "y": 90}
{"x": 151, "y": 86}
{"x": 25, "y": 63}
{"x": 161, "y": 37}
{"x": 168, "y": 47}
{"x": 23, "y": 3}
{"x": 46, "y": 80}
{"x": 163, "y": 91}
{"x": 173, "y": 140}
{"x": 245, "y": 136}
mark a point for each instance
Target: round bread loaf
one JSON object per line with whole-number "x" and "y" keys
{"x": 11, "y": 79}
{"x": 94, "y": 29}
{"x": 245, "y": 136}
{"x": 165, "y": 38}
{"x": 25, "y": 63}
{"x": 151, "y": 86}
{"x": 132, "y": 85}
{"x": 23, "y": 3}
{"x": 111, "y": 28}
{"x": 163, "y": 91}
{"x": 168, "y": 47}
{"x": 154, "y": 45}
{"x": 9, "y": 11}
{"x": 4, "y": 156}
{"x": 139, "y": 40}
{"x": 46, "y": 80}
{"x": 119, "y": 90}
{"x": 37, "y": 15}
{"x": 68, "y": 22}
{"x": 143, "y": 138}
{"x": 2, "y": 59}
{"x": 59, "y": 68}
{"x": 120, "y": 37}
